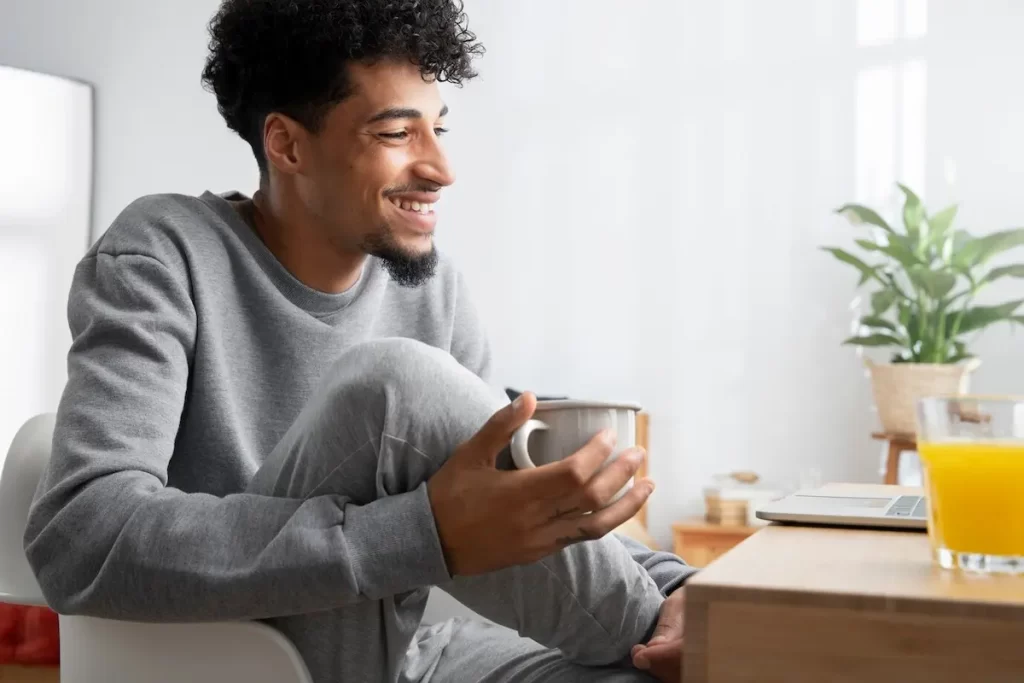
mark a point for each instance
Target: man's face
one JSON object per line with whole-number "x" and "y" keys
{"x": 376, "y": 168}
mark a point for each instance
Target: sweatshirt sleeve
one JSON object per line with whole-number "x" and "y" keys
{"x": 108, "y": 537}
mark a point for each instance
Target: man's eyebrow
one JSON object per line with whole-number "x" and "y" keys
{"x": 402, "y": 113}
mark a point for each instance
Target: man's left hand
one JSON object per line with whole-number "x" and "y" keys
{"x": 662, "y": 655}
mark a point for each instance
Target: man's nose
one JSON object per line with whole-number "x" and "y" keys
{"x": 434, "y": 166}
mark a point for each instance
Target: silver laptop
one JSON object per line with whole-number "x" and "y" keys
{"x": 865, "y": 508}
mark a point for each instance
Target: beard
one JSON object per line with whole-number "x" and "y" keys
{"x": 406, "y": 268}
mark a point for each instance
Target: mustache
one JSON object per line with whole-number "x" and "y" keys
{"x": 412, "y": 187}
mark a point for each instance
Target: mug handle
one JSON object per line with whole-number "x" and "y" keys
{"x": 520, "y": 456}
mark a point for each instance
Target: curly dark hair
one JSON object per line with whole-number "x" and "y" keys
{"x": 289, "y": 56}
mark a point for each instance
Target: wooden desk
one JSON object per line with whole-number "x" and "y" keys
{"x": 813, "y": 605}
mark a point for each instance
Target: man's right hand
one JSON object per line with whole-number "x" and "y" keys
{"x": 489, "y": 519}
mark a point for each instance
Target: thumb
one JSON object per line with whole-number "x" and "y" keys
{"x": 670, "y": 627}
{"x": 670, "y": 621}
{"x": 484, "y": 446}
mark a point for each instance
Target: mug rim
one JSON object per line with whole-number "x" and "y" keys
{"x": 571, "y": 404}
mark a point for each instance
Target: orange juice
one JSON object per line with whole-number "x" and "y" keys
{"x": 976, "y": 495}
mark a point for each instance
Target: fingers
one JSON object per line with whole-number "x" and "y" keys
{"x": 575, "y": 500}
{"x": 490, "y": 439}
{"x": 663, "y": 660}
{"x": 610, "y": 480}
{"x": 597, "y": 524}
{"x": 564, "y": 479}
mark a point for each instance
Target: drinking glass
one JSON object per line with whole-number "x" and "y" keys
{"x": 972, "y": 456}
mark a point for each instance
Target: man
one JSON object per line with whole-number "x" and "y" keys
{"x": 276, "y": 406}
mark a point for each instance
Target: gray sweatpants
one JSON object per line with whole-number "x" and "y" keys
{"x": 387, "y": 416}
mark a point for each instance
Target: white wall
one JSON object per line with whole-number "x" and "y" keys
{"x": 643, "y": 188}
{"x": 157, "y": 130}
{"x": 45, "y": 189}
{"x": 658, "y": 179}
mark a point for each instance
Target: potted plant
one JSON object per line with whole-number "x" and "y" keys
{"x": 924, "y": 279}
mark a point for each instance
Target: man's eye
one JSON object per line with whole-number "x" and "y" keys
{"x": 440, "y": 131}
{"x": 400, "y": 135}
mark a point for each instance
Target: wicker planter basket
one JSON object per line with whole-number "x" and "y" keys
{"x": 897, "y": 387}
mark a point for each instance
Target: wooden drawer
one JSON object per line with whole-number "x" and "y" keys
{"x": 700, "y": 543}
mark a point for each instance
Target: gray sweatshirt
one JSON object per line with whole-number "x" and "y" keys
{"x": 193, "y": 351}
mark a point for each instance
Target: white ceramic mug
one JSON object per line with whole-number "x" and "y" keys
{"x": 560, "y": 428}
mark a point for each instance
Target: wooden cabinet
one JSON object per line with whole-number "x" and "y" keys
{"x": 699, "y": 542}
{"x": 811, "y": 605}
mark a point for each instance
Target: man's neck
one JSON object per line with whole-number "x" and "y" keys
{"x": 302, "y": 245}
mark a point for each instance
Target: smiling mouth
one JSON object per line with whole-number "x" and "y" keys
{"x": 421, "y": 208}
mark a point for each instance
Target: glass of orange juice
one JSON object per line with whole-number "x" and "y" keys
{"x": 972, "y": 453}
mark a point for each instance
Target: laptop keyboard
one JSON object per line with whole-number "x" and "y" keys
{"x": 908, "y": 506}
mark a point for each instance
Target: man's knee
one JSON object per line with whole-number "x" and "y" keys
{"x": 405, "y": 371}
{"x": 394, "y": 362}
{"x": 410, "y": 390}
{"x": 386, "y": 415}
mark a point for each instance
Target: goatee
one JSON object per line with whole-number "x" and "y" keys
{"x": 406, "y": 269}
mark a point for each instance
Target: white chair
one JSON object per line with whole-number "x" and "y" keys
{"x": 105, "y": 651}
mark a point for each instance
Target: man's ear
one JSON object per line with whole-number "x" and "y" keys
{"x": 284, "y": 143}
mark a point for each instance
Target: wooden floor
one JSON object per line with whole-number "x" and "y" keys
{"x": 28, "y": 674}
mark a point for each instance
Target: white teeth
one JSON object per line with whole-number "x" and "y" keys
{"x": 418, "y": 207}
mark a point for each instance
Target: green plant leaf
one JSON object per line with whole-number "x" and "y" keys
{"x": 873, "y": 340}
{"x": 977, "y": 317}
{"x": 856, "y": 214}
{"x": 876, "y": 321}
{"x": 961, "y": 238}
{"x": 1003, "y": 271}
{"x": 882, "y": 301}
{"x": 980, "y": 249}
{"x": 936, "y": 283}
{"x": 913, "y": 212}
{"x": 912, "y": 198}
{"x": 959, "y": 353}
{"x": 938, "y": 225}
{"x": 868, "y": 245}
{"x": 901, "y": 249}
{"x": 946, "y": 249}
{"x": 960, "y": 250}
{"x": 905, "y": 316}
{"x": 940, "y": 236}
{"x": 866, "y": 271}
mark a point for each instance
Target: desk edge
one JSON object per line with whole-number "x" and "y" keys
{"x": 706, "y": 593}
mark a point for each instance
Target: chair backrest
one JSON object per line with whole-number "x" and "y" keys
{"x": 26, "y": 460}
{"x": 100, "y": 650}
